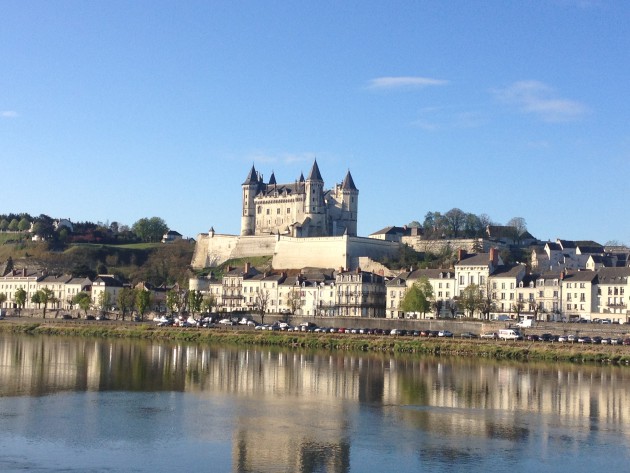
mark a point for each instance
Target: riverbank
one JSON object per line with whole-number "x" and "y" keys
{"x": 491, "y": 349}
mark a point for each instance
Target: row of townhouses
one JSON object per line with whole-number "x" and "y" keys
{"x": 65, "y": 287}
{"x": 311, "y": 292}
{"x": 553, "y": 295}
{"x": 567, "y": 281}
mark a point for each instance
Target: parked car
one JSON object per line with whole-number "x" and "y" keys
{"x": 445, "y": 333}
{"x": 468, "y": 335}
{"x": 226, "y": 322}
{"x": 491, "y": 335}
{"x": 547, "y": 337}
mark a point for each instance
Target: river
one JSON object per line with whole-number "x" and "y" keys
{"x": 95, "y": 405}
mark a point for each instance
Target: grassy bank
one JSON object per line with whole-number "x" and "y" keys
{"x": 522, "y": 351}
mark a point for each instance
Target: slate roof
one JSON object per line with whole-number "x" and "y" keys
{"x": 432, "y": 273}
{"x": 508, "y": 271}
{"x": 314, "y": 175}
{"x": 613, "y": 275}
{"x": 348, "y": 183}
{"x": 479, "y": 259}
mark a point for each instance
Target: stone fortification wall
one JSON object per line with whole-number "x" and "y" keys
{"x": 319, "y": 252}
{"x": 212, "y": 250}
{"x": 263, "y": 245}
{"x": 471, "y": 245}
{"x": 291, "y": 253}
{"x": 375, "y": 249}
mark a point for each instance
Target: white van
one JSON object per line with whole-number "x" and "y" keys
{"x": 510, "y": 334}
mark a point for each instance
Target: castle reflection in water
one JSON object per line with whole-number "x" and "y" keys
{"x": 312, "y": 400}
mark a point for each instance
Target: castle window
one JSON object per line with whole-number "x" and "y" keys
{"x": 288, "y": 210}
{"x": 259, "y": 209}
{"x": 278, "y": 211}
{"x": 268, "y": 211}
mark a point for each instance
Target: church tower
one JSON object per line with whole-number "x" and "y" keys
{"x": 250, "y": 189}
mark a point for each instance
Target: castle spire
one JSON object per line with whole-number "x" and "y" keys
{"x": 272, "y": 179}
{"x": 315, "y": 175}
{"x": 252, "y": 177}
{"x": 348, "y": 183}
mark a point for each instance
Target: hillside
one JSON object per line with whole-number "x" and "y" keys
{"x": 156, "y": 263}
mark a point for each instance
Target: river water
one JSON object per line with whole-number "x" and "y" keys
{"x": 86, "y": 405}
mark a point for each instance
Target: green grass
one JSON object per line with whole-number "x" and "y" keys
{"x": 543, "y": 352}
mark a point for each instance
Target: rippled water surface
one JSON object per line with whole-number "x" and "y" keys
{"x": 113, "y": 406}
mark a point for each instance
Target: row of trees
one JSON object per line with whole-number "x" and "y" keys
{"x": 146, "y": 229}
{"x": 459, "y": 224}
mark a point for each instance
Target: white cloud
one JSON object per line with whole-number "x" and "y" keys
{"x": 538, "y": 98}
{"x": 8, "y": 114}
{"x": 404, "y": 82}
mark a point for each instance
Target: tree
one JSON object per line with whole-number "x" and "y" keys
{"x": 20, "y": 300}
{"x": 520, "y": 227}
{"x": 418, "y": 297}
{"x": 143, "y": 302}
{"x": 261, "y": 302}
{"x": 150, "y": 229}
{"x": 209, "y": 301}
{"x": 3, "y": 298}
{"x": 24, "y": 224}
{"x": 471, "y": 299}
{"x": 171, "y": 300}
{"x": 294, "y": 299}
{"x": 195, "y": 299}
{"x": 486, "y": 303}
{"x": 4, "y": 225}
{"x": 44, "y": 296}
{"x": 13, "y": 225}
{"x": 83, "y": 300}
{"x": 455, "y": 219}
{"x": 518, "y": 307}
{"x": 126, "y": 300}
{"x": 103, "y": 301}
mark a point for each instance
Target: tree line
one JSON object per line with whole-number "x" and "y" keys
{"x": 459, "y": 224}
{"x": 146, "y": 229}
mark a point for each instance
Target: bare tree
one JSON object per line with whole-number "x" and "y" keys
{"x": 294, "y": 299}
{"x": 261, "y": 303}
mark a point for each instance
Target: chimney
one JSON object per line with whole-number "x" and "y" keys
{"x": 247, "y": 267}
{"x": 24, "y": 272}
{"x": 358, "y": 270}
{"x": 494, "y": 256}
{"x": 460, "y": 254}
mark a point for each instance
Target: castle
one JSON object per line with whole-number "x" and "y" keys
{"x": 299, "y": 209}
{"x": 299, "y": 224}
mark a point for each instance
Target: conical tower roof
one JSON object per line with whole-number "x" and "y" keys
{"x": 348, "y": 183}
{"x": 301, "y": 177}
{"x": 272, "y": 179}
{"x": 252, "y": 177}
{"x": 315, "y": 175}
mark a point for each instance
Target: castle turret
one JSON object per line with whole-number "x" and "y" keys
{"x": 250, "y": 189}
{"x": 314, "y": 207}
{"x": 350, "y": 204}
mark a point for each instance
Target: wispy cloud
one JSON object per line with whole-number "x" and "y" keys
{"x": 8, "y": 114}
{"x": 404, "y": 82}
{"x": 540, "y": 99}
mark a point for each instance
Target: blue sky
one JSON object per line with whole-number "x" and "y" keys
{"x": 118, "y": 110}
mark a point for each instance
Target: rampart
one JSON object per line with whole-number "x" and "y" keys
{"x": 289, "y": 252}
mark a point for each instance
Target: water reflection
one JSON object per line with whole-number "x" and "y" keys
{"x": 317, "y": 411}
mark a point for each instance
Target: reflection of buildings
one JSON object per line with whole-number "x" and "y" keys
{"x": 302, "y": 410}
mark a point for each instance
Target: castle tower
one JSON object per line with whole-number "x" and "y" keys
{"x": 350, "y": 204}
{"x": 314, "y": 207}
{"x": 250, "y": 189}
